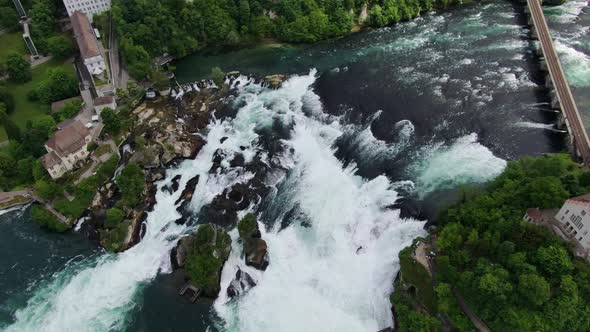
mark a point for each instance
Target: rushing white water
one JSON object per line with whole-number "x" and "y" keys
{"x": 465, "y": 161}
{"x": 98, "y": 294}
{"x": 336, "y": 274}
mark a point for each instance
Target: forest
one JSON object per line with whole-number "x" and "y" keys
{"x": 149, "y": 28}
{"x": 516, "y": 276}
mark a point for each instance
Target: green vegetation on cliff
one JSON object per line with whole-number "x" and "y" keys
{"x": 47, "y": 220}
{"x": 207, "y": 253}
{"x": 516, "y": 276}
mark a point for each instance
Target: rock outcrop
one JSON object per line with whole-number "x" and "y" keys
{"x": 241, "y": 283}
{"x": 255, "y": 248}
{"x": 202, "y": 256}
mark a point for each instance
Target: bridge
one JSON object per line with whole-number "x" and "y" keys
{"x": 562, "y": 95}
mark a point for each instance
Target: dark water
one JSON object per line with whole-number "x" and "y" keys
{"x": 30, "y": 255}
{"x": 458, "y": 91}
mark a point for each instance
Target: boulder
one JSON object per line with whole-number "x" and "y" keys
{"x": 256, "y": 253}
{"x": 275, "y": 81}
{"x": 241, "y": 283}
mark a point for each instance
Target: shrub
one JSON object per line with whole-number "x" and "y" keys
{"x": 47, "y": 220}
{"x": 114, "y": 217}
{"x": 247, "y": 226}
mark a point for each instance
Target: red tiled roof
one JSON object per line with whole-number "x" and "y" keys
{"x": 50, "y": 159}
{"x": 84, "y": 34}
{"x": 69, "y": 138}
{"x": 103, "y": 100}
{"x": 583, "y": 199}
{"x": 534, "y": 214}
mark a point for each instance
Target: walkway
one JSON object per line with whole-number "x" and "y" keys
{"x": 574, "y": 123}
{"x": 53, "y": 211}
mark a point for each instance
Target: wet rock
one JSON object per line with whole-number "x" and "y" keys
{"x": 238, "y": 161}
{"x": 255, "y": 248}
{"x": 275, "y": 81}
{"x": 155, "y": 174}
{"x": 179, "y": 253}
{"x": 241, "y": 283}
{"x": 256, "y": 252}
{"x": 189, "y": 189}
{"x": 173, "y": 186}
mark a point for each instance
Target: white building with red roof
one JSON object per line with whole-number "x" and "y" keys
{"x": 67, "y": 146}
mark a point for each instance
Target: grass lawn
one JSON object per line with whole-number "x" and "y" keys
{"x": 25, "y": 109}
{"x": 11, "y": 42}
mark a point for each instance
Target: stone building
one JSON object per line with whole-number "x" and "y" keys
{"x": 67, "y": 146}
{"x": 90, "y": 50}
{"x": 88, "y": 7}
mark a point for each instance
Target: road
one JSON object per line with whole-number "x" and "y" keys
{"x": 564, "y": 94}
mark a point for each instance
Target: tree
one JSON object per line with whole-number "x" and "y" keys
{"x": 131, "y": 182}
{"x": 133, "y": 89}
{"x": 59, "y": 85}
{"x": 554, "y": 260}
{"x": 47, "y": 220}
{"x": 111, "y": 120}
{"x": 60, "y": 46}
{"x": 12, "y": 130}
{"x": 47, "y": 190}
{"x": 9, "y": 18}
{"x": 247, "y": 226}
{"x": 71, "y": 108}
{"x": 217, "y": 75}
{"x": 18, "y": 69}
{"x": 114, "y": 217}
{"x": 7, "y": 99}
{"x": 42, "y": 22}
{"x": 534, "y": 288}
{"x": 121, "y": 93}
{"x": 25, "y": 170}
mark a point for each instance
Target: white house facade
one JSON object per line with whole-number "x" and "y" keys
{"x": 574, "y": 220}
{"x": 65, "y": 148}
{"x": 88, "y": 7}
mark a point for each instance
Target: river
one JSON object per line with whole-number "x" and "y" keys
{"x": 414, "y": 110}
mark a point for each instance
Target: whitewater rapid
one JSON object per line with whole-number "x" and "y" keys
{"x": 317, "y": 272}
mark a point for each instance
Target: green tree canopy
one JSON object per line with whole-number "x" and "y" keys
{"x": 60, "y": 46}
{"x": 131, "y": 182}
{"x": 17, "y": 68}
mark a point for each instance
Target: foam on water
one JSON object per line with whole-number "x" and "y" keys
{"x": 98, "y": 293}
{"x": 336, "y": 274}
{"x": 318, "y": 264}
{"x": 465, "y": 161}
{"x": 576, "y": 63}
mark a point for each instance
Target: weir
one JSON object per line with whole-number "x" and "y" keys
{"x": 561, "y": 95}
